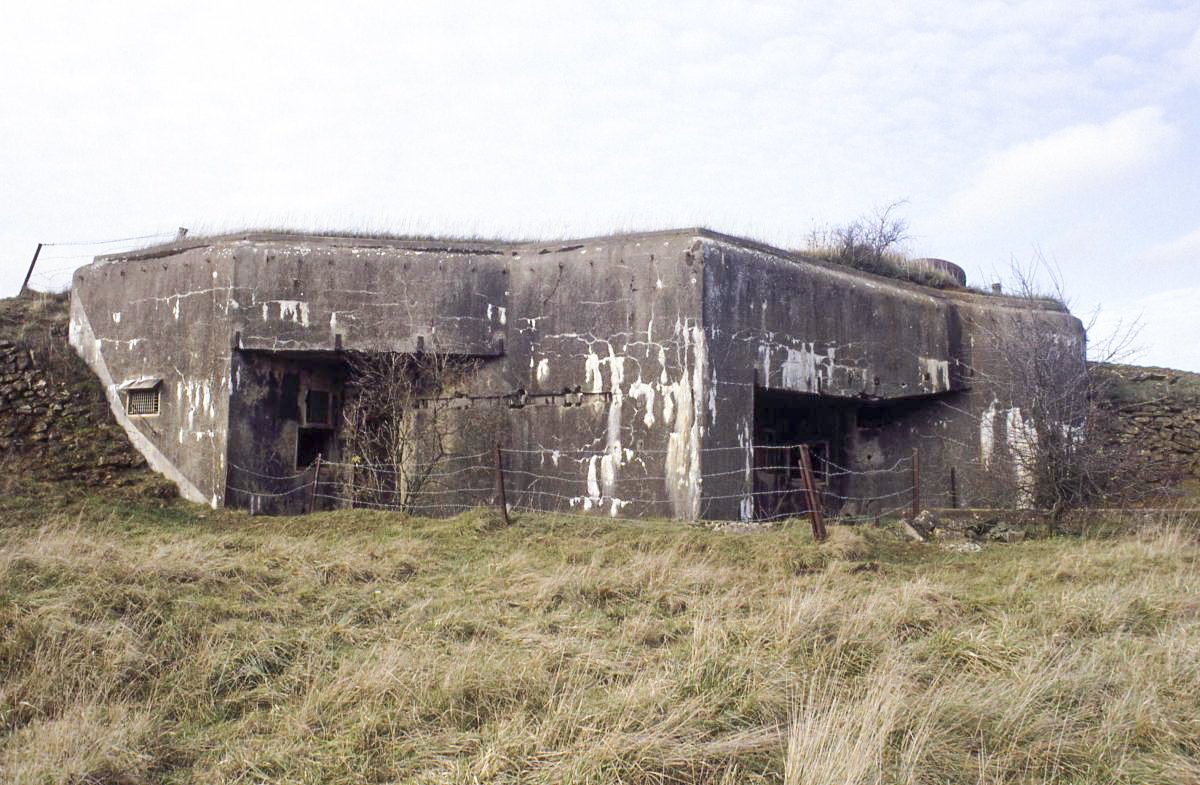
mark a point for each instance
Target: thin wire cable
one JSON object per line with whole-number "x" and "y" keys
{"x": 271, "y": 494}
{"x": 268, "y": 476}
{"x": 420, "y": 493}
{"x": 379, "y": 469}
{"x": 111, "y": 242}
{"x": 585, "y": 502}
{"x": 419, "y": 464}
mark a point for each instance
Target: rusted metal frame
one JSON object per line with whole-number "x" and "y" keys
{"x": 312, "y": 494}
{"x": 916, "y": 482}
{"x": 810, "y": 491}
{"x": 500, "y": 495}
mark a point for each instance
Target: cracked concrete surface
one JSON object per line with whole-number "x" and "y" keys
{"x": 628, "y": 367}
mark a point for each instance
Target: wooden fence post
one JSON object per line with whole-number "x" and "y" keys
{"x": 25, "y": 283}
{"x": 916, "y": 481}
{"x": 500, "y": 485}
{"x": 810, "y": 493}
{"x": 312, "y": 494}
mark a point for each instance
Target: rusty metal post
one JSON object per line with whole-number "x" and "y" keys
{"x": 25, "y": 283}
{"x": 312, "y": 494}
{"x": 810, "y": 493}
{"x": 500, "y": 497}
{"x": 916, "y": 481}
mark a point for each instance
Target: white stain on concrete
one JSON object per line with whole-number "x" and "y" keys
{"x": 592, "y": 377}
{"x": 83, "y": 339}
{"x": 645, "y": 394}
{"x": 295, "y": 310}
{"x": 746, "y": 442}
{"x": 543, "y": 369}
{"x": 683, "y": 444}
{"x": 1022, "y": 442}
{"x": 987, "y": 435}
{"x": 593, "y": 484}
{"x": 806, "y": 370}
{"x": 937, "y": 372}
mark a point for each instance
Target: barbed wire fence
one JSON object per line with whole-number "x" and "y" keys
{"x": 556, "y": 481}
{"x": 54, "y": 263}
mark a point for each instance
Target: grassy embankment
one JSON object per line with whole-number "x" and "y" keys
{"x": 151, "y": 643}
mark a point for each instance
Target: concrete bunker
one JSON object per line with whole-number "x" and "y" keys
{"x": 663, "y": 374}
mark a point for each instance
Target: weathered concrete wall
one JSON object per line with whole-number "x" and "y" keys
{"x": 778, "y": 323}
{"x": 298, "y": 302}
{"x": 626, "y": 368}
{"x": 323, "y": 295}
{"x": 924, "y": 367}
{"x": 265, "y": 418}
{"x": 600, "y": 341}
{"x": 167, "y": 318}
{"x": 597, "y": 339}
{"x": 1013, "y": 351}
{"x": 620, "y": 321}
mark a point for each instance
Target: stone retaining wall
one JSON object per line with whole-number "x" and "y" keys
{"x": 56, "y": 430}
{"x": 1156, "y": 416}
{"x": 29, "y": 404}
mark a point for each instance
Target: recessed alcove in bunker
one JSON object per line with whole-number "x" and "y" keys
{"x": 784, "y": 420}
{"x": 861, "y": 449}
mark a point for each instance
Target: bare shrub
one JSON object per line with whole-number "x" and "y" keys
{"x": 1057, "y": 428}
{"x": 873, "y": 243}
{"x": 402, "y": 419}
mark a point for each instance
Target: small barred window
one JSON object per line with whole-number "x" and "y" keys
{"x": 316, "y": 409}
{"x": 142, "y": 402}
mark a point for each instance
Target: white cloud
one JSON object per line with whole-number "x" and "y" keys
{"x": 1067, "y": 162}
{"x": 1187, "y": 59}
{"x": 1181, "y": 252}
{"x": 1169, "y": 323}
{"x": 764, "y": 117}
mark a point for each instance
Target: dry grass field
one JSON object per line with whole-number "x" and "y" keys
{"x": 161, "y": 642}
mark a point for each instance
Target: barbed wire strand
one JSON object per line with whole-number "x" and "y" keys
{"x": 113, "y": 241}
{"x": 375, "y": 493}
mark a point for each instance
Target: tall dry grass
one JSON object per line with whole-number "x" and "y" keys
{"x": 141, "y": 646}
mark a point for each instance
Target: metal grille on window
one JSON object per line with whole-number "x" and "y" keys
{"x": 316, "y": 408}
{"x": 143, "y": 402}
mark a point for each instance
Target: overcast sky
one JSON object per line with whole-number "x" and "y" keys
{"x": 1010, "y": 129}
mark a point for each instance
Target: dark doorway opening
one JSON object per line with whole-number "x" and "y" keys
{"x": 311, "y": 442}
{"x": 783, "y": 421}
